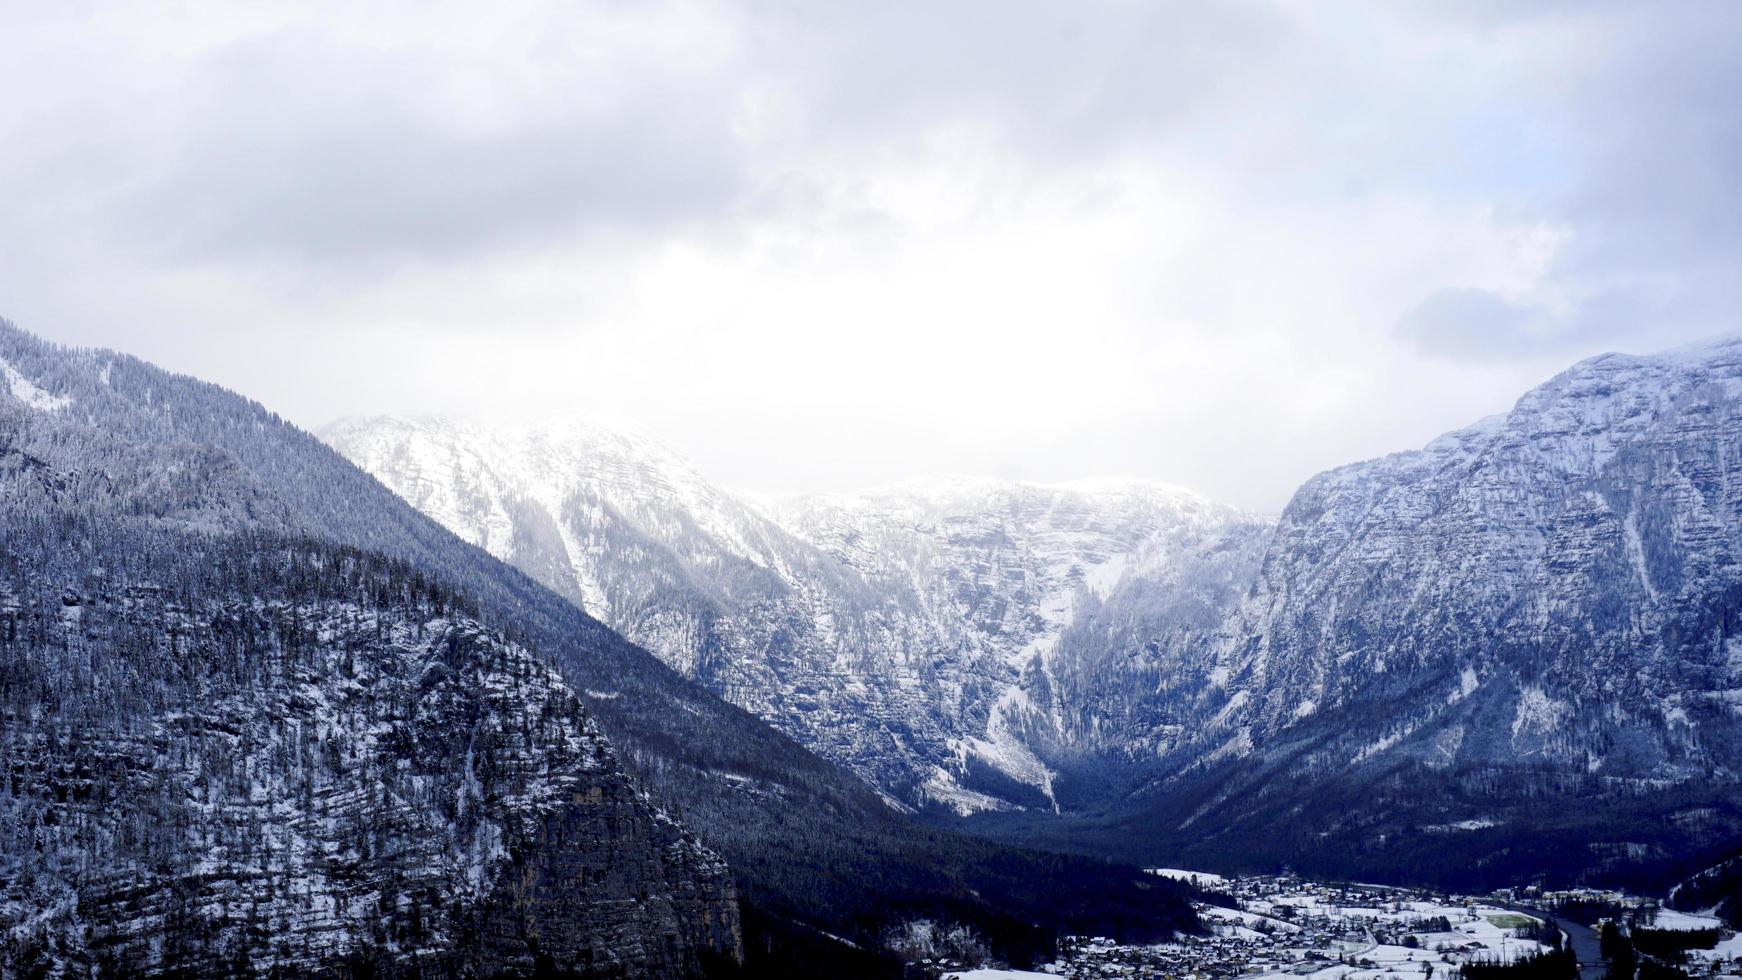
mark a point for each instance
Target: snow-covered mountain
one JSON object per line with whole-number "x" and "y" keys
{"x": 1068, "y": 599}
{"x": 1528, "y": 632}
{"x": 256, "y": 709}
{"x": 227, "y": 748}
{"x": 1572, "y": 566}
{"x": 1543, "y": 606}
{"x": 908, "y": 633}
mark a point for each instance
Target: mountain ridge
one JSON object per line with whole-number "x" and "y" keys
{"x": 799, "y": 608}
{"x": 230, "y": 747}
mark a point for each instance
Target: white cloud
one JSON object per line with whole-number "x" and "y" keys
{"x": 1223, "y": 245}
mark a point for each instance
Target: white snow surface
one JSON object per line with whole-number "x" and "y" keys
{"x": 1685, "y": 921}
{"x": 29, "y": 393}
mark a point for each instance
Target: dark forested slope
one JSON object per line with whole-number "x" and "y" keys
{"x": 226, "y": 749}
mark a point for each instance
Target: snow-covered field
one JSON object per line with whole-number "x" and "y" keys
{"x": 1728, "y": 952}
{"x": 1203, "y": 879}
{"x": 1684, "y": 922}
{"x": 1289, "y": 927}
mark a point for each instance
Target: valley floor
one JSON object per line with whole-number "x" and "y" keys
{"x": 1288, "y": 927}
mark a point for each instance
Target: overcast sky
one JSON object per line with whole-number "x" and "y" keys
{"x": 824, "y": 245}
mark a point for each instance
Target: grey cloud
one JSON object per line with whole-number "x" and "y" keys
{"x": 1059, "y": 81}
{"x": 1623, "y": 133}
{"x": 1478, "y": 325}
{"x": 1651, "y": 109}
{"x": 149, "y": 177}
{"x": 1472, "y": 324}
{"x": 283, "y": 166}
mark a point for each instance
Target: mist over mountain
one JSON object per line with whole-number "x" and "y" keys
{"x": 912, "y": 634}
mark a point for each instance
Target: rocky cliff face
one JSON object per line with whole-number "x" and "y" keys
{"x": 713, "y": 587}
{"x": 1570, "y": 569}
{"x": 1515, "y": 651}
{"x": 1540, "y": 607}
{"x": 1072, "y": 600}
{"x": 227, "y": 748}
{"x": 908, "y": 634}
{"x": 266, "y": 785}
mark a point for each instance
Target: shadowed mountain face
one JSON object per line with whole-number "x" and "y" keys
{"x": 953, "y": 641}
{"x": 215, "y": 480}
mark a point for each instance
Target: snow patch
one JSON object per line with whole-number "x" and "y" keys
{"x": 1467, "y": 684}
{"x": 1383, "y": 744}
{"x": 1189, "y": 877}
{"x": 1479, "y": 823}
{"x": 1673, "y": 921}
{"x": 942, "y": 789}
{"x": 1003, "y": 749}
{"x": 1636, "y": 552}
{"x": 1538, "y": 714}
{"x": 27, "y": 392}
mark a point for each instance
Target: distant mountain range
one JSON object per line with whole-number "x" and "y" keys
{"x": 904, "y": 633}
{"x": 1430, "y": 648}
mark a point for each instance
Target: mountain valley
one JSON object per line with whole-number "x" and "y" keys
{"x": 385, "y": 712}
{"x": 354, "y": 643}
{"x": 1539, "y": 608}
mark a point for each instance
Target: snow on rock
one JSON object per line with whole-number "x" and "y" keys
{"x": 1546, "y": 598}
{"x": 1570, "y": 553}
{"x": 359, "y": 783}
{"x": 911, "y": 633}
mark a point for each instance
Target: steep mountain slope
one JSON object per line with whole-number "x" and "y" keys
{"x": 1073, "y": 599}
{"x": 224, "y": 750}
{"x": 1573, "y": 565}
{"x": 632, "y": 533}
{"x": 1525, "y": 632}
{"x": 811, "y": 847}
{"x": 1433, "y": 646}
{"x": 890, "y": 631}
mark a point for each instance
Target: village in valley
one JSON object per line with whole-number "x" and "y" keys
{"x": 1287, "y": 927}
